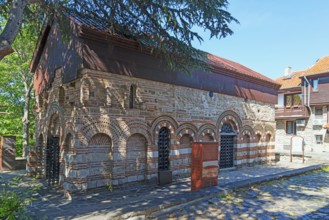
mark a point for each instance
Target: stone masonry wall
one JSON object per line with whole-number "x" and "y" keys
{"x": 308, "y": 132}
{"x": 108, "y": 125}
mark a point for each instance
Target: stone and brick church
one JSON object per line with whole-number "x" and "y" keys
{"x": 108, "y": 112}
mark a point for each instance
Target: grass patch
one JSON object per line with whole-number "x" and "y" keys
{"x": 226, "y": 196}
{"x": 325, "y": 169}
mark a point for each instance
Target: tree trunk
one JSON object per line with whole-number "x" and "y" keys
{"x": 26, "y": 120}
{"x": 13, "y": 25}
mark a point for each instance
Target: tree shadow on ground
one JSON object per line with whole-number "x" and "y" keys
{"x": 140, "y": 197}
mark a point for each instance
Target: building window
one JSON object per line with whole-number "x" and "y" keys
{"x": 288, "y": 100}
{"x": 316, "y": 85}
{"x": 61, "y": 96}
{"x": 290, "y": 127}
{"x": 132, "y": 96}
{"x": 318, "y": 113}
{"x": 293, "y": 100}
{"x": 318, "y": 139}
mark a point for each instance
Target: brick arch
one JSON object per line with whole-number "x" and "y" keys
{"x": 136, "y": 157}
{"x": 269, "y": 130}
{"x": 164, "y": 121}
{"x": 104, "y": 126}
{"x": 68, "y": 130}
{"x": 247, "y": 130}
{"x": 100, "y": 139}
{"x": 65, "y": 142}
{"x": 207, "y": 129}
{"x": 135, "y": 126}
{"x": 268, "y": 135}
{"x": 231, "y": 117}
{"x": 187, "y": 128}
{"x": 52, "y": 110}
{"x": 259, "y": 130}
{"x": 100, "y": 157}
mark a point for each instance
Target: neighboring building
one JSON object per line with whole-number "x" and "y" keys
{"x": 116, "y": 114}
{"x": 303, "y": 107}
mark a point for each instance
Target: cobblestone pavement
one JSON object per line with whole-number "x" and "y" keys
{"x": 300, "y": 197}
{"x": 138, "y": 199}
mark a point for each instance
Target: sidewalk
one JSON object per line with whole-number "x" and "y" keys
{"x": 142, "y": 200}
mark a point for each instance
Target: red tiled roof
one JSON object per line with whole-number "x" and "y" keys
{"x": 238, "y": 68}
{"x": 293, "y": 81}
{"x": 326, "y": 126}
{"x": 320, "y": 66}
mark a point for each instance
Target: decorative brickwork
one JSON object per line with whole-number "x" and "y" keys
{"x": 270, "y": 130}
{"x": 189, "y": 129}
{"x": 259, "y": 130}
{"x": 136, "y": 158}
{"x": 207, "y": 132}
{"x": 99, "y": 161}
{"x": 105, "y": 140}
{"x": 231, "y": 117}
{"x": 247, "y": 130}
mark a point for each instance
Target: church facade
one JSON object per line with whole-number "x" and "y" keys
{"x": 108, "y": 113}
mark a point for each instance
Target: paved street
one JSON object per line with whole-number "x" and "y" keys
{"x": 301, "y": 197}
{"x": 145, "y": 199}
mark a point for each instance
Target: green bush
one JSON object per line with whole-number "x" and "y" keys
{"x": 15, "y": 196}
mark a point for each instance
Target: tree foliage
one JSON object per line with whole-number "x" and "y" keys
{"x": 165, "y": 26}
{"x": 15, "y": 80}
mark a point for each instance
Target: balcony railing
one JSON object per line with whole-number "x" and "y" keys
{"x": 291, "y": 112}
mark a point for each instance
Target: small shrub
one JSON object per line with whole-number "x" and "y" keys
{"x": 325, "y": 169}
{"x": 14, "y": 198}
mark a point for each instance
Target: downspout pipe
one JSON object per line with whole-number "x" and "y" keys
{"x": 309, "y": 94}
{"x": 327, "y": 117}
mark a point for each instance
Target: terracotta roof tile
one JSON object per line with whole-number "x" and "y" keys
{"x": 321, "y": 65}
{"x": 293, "y": 81}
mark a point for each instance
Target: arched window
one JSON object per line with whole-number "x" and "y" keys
{"x": 132, "y": 96}
{"x": 258, "y": 137}
{"x": 85, "y": 92}
{"x": 108, "y": 96}
{"x": 227, "y": 128}
{"x": 61, "y": 96}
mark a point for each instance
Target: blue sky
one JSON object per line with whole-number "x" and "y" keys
{"x": 274, "y": 34}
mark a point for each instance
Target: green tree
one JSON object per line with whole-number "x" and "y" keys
{"x": 16, "y": 90}
{"x": 165, "y": 26}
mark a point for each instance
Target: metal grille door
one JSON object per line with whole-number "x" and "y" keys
{"x": 39, "y": 157}
{"x": 226, "y": 151}
{"x": 52, "y": 160}
{"x": 163, "y": 146}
